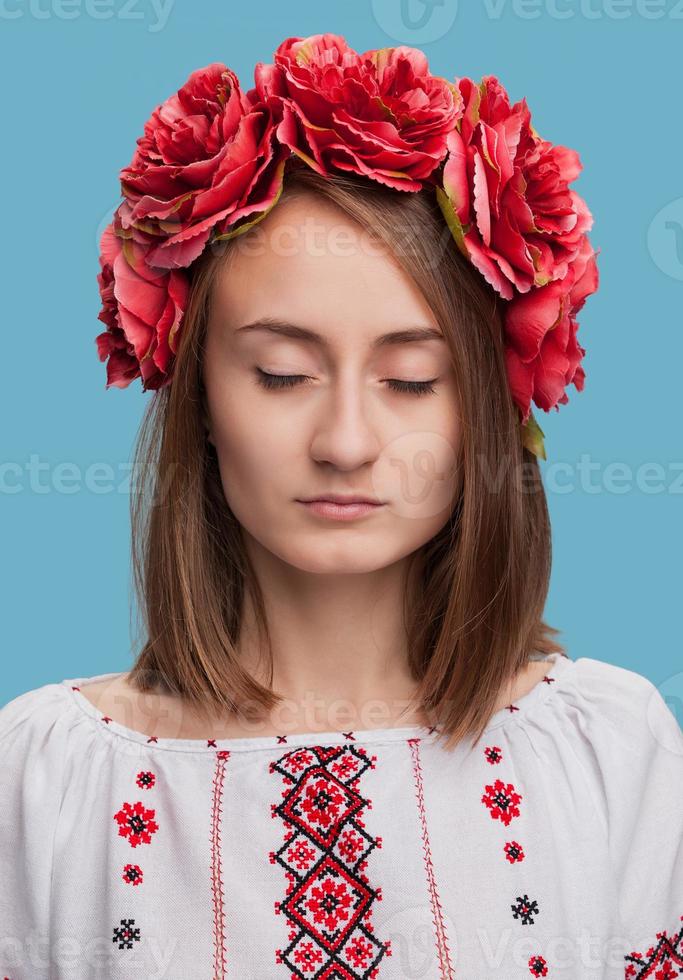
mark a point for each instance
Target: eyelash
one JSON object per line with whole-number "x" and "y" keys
{"x": 274, "y": 381}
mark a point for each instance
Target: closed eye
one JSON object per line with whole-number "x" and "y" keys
{"x": 273, "y": 381}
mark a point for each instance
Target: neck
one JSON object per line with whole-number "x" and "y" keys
{"x": 340, "y": 650}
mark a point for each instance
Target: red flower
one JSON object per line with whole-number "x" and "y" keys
{"x": 322, "y": 802}
{"x": 307, "y": 956}
{"x": 145, "y": 780}
{"x": 136, "y": 823}
{"x": 142, "y": 309}
{"x": 538, "y": 967}
{"x": 513, "y": 851}
{"x": 507, "y": 200}
{"x": 502, "y": 801}
{"x": 132, "y": 874}
{"x": 542, "y": 352}
{"x": 330, "y": 903}
{"x": 207, "y": 159}
{"x": 381, "y": 113}
{"x": 515, "y": 217}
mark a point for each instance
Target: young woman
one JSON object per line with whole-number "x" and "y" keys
{"x": 349, "y": 746}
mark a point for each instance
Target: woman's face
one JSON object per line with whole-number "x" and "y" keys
{"x": 321, "y": 399}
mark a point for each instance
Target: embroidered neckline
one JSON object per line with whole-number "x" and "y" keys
{"x": 512, "y": 713}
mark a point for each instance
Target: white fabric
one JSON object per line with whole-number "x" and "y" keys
{"x": 392, "y": 860}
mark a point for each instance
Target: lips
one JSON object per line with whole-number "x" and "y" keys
{"x": 337, "y": 498}
{"x": 346, "y": 510}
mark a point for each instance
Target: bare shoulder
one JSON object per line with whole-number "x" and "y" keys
{"x": 104, "y": 694}
{"x": 534, "y": 672}
{"x": 526, "y": 679}
{"x": 148, "y": 712}
{"x": 93, "y": 690}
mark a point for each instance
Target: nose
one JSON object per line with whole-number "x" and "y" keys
{"x": 346, "y": 428}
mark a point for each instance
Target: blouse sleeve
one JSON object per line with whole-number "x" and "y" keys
{"x": 638, "y": 755}
{"x": 33, "y": 736}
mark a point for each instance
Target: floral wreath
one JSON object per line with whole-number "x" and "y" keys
{"x": 211, "y": 164}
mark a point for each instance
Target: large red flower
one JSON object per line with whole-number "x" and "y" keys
{"x": 542, "y": 352}
{"x": 506, "y": 194}
{"x": 142, "y": 309}
{"x": 381, "y": 113}
{"x": 206, "y": 161}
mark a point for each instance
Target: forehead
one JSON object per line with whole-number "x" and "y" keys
{"x": 308, "y": 262}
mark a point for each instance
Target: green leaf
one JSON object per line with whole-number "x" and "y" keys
{"x": 452, "y": 220}
{"x": 532, "y": 437}
{"x": 234, "y": 232}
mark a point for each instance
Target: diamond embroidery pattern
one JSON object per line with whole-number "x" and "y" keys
{"x": 329, "y": 897}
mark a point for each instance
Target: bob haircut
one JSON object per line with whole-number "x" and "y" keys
{"x": 474, "y": 613}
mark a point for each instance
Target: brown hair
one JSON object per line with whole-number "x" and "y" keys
{"x": 476, "y": 613}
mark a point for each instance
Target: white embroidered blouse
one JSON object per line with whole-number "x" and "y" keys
{"x": 551, "y": 847}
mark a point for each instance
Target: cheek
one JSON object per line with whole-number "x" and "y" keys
{"x": 251, "y": 445}
{"x": 418, "y": 473}
{"x": 242, "y": 426}
{"x": 419, "y": 469}
{"x": 447, "y": 421}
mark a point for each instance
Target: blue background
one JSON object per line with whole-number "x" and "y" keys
{"x": 599, "y": 76}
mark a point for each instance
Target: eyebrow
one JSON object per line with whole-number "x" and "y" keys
{"x": 297, "y": 332}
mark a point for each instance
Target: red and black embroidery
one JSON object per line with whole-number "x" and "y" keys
{"x": 145, "y": 780}
{"x": 137, "y": 823}
{"x": 132, "y": 874}
{"x": 443, "y": 952}
{"x": 659, "y": 960}
{"x": 125, "y": 935}
{"x": 502, "y": 801}
{"x": 217, "y": 887}
{"x": 538, "y": 967}
{"x": 525, "y": 909}
{"x": 329, "y": 898}
{"x": 513, "y": 851}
